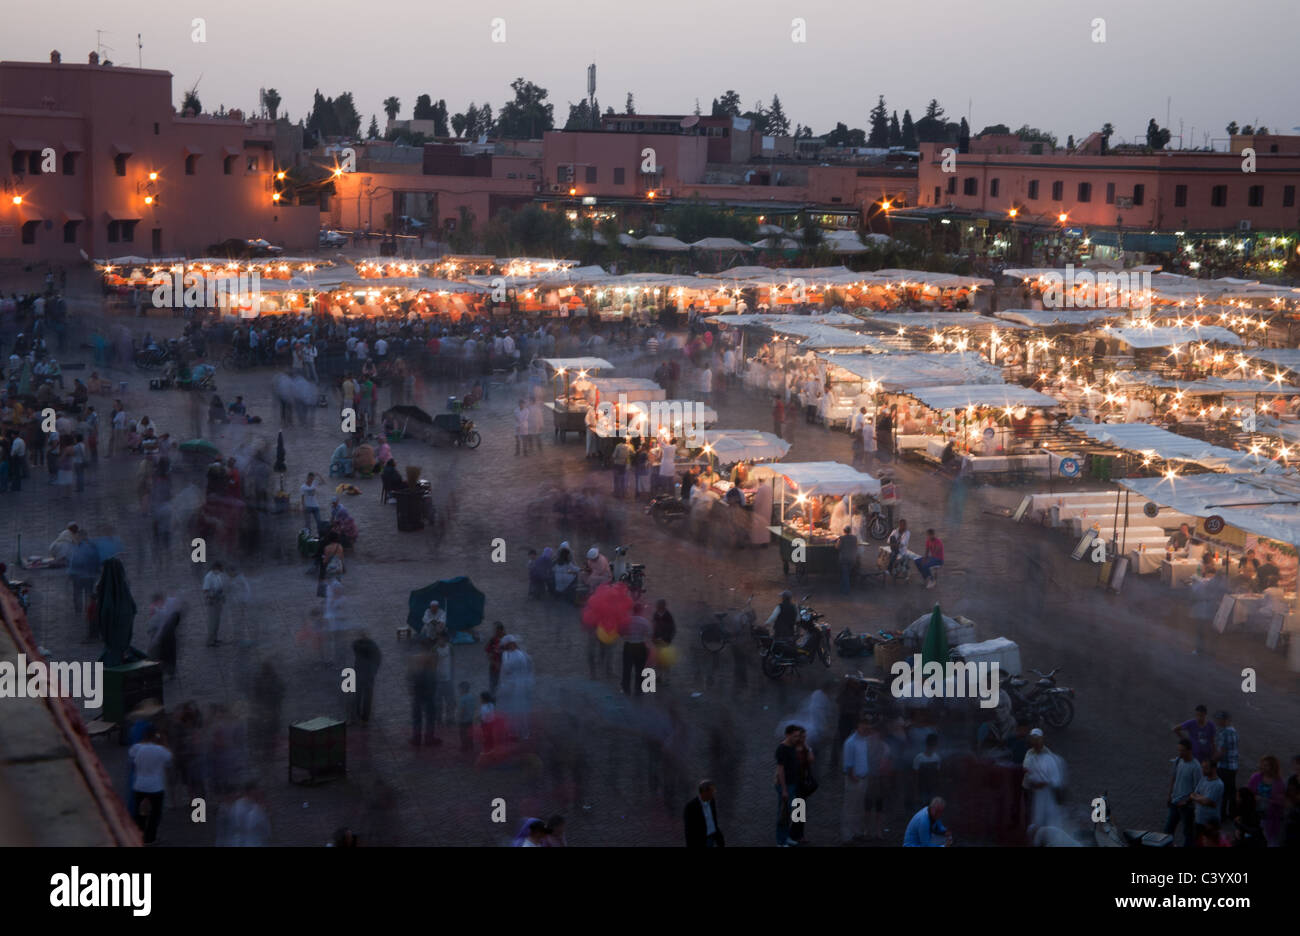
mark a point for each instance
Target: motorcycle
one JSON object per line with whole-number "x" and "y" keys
{"x": 667, "y": 509}
{"x": 784, "y": 656}
{"x": 1105, "y": 834}
{"x": 728, "y": 626}
{"x": 1044, "y": 703}
{"x": 630, "y": 573}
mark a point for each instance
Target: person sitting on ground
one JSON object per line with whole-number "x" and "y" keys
{"x": 217, "y": 411}
{"x": 392, "y": 478}
{"x": 597, "y": 571}
{"x": 341, "y": 521}
{"x": 237, "y": 408}
{"x": 341, "y": 460}
{"x": 435, "y": 620}
{"x": 565, "y": 574}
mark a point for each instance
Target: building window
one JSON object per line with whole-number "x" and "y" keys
{"x": 156, "y": 129}
{"x": 1219, "y": 196}
{"x": 29, "y": 232}
{"x": 119, "y": 163}
{"x": 228, "y": 165}
{"x": 591, "y": 175}
{"x": 1110, "y": 193}
{"x": 619, "y": 175}
{"x": 561, "y": 174}
{"x": 938, "y": 193}
{"x": 112, "y": 232}
{"x": 1058, "y": 190}
{"x": 1033, "y": 189}
{"x": 970, "y": 186}
{"x": 993, "y": 187}
{"x": 1288, "y": 196}
{"x": 1085, "y": 191}
{"x": 952, "y": 185}
{"x": 121, "y": 232}
{"x": 1255, "y": 196}
{"x": 1139, "y": 194}
{"x": 70, "y": 232}
{"x": 19, "y": 163}
{"x": 191, "y": 163}
{"x": 252, "y": 163}
{"x": 34, "y": 162}
{"x": 69, "y": 163}
{"x": 1180, "y": 196}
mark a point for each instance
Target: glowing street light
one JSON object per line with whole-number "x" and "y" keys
{"x": 17, "y": 199}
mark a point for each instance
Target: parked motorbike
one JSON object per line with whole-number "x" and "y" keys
{"x": 784, "y": 655}
{"x": 1044, "y": 703}
{"x": 728, "y": 626}
{"x": 667, "y": 509}
{"x": 631, "y": 573}
{"x": 1106, "y": 834}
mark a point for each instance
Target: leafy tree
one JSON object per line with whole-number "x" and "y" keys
{"x": 963, "y": 136}
{"x": 1248, "y": 130}
{"x": 272, "y": 101}
{"x": 191, "y": 103}
{"x": 932, "y": 128}
{"x": 1107, "y": 131}
{"x": 1157, "y": 136}
{"x": 895, "y": 132}
{"x": 1232, "y": 128}
{"x": 879, "y": 136}
{"x": 757, "y": 116}
{"x": 1034, "y": 135}
{"x": 348, "y": 119}
{"x": 697, "y": 107}
{"x": 728, "y": 105}
{"x": 630, "y": 106}
{"x": 391, "y": 107}
{"x": 373, "y": 132}
{"x": 1069, "y": 142}
{"x": 933, "y": 110}
{"x": 440, "y": 118}
{"x": 908, "y": 131}
{"x": 810, "y": 235}
{"x": 486, "y": 126}
{"x": 462, "y": 239}
{"x": 777, "y": 122}
{"x": 423, "y": 108}
{"x": 695, "y": 220}
{"x": 843, "y": 136}
{"x": 324, "y": 119}
{"x": 528, "y": 116}
{"x": 462, "y": 123}
{"x": 580, "y": 116}
{"x": 995, "y": 129}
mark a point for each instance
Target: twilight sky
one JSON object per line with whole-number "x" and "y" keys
{"x": 1007, "y": 61}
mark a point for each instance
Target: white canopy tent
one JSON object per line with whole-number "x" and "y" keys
{"x": 1284, "y": 358}
{"x": 960, "y": 397}
{"x": 733, "y": 445}
{"x": 937, "y": 320}
{"x": 721, "y": 243}
{"x": 1143, "y": 439}
{"x": 819, "y": 478}
{"x": 778, "y": 323}
{"x": 904, "y": 370}
{"x": 1050, "y": 318}
{"x": 1170, "y": 336}
{"x": 1268, "y": 507}
{"x": 672, "y": 415}
{"x": 632, "y": 389}
{"x": 575, "y": 365}
{"x": 658, "y": 242}
{"x": 1206, "y": 386}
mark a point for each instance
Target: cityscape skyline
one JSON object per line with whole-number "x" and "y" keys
{"x": 234, "y": 61}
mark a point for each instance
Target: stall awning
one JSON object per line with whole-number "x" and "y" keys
{"x": 608, "y": 387}
{"x": 1277, "y": 517}
{"x": 817, "y": 478}
{"x": 1001, "y": 395}
{"x": 733, "y": 445}
{"x": 1151, "y": 243}
{"x": 902, "y": 371}
{"x": 1208, "y": 386}
{"x": 1049, "y": 318}
{"x": 671, "y": 413}
{"x": 937, "y": 320}
{"x": 1170, "y": 336}
{"x": 1143, "y": 439}
{"x": 575, "y": 364}
{"x": 1285, "y": 358}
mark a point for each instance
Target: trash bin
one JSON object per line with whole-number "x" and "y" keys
{"x": 410, "y": 510}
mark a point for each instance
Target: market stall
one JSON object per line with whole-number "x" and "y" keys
{"x": 569, "y": 408}
{"x": 803, "y": 493}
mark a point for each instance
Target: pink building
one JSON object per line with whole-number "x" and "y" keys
{"x": 96, "y": 160}
{"x": 1166, "y": 191}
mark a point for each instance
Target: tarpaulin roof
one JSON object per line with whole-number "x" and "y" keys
{"x": 608, "y": 385}
{"x": 1207, "y": 386}
{"x": 664, "y": 412}
{"x": 786, "y": 324}
{"x": 1047, "y": 318}
{"x": 720, "y": 243}
{"x": 935, "y": 320}
{"x": 901, "y": 371}
{"x": 1215, "y": 494}
{"x": 1288, "y": 358}
{"x": 959, "y": 397}
{"x": 733, "y": 445}
{"x": 577, "y": 363}
{"x": 820, "y": 478}
{"x": 1170, "y": 446}
{"x": 657, "y": 242}
{"x": 1169, "y": 336}
{"x": 824, "y": 337}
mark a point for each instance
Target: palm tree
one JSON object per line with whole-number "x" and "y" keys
{"x": 1107, "y": 131}
{"x": 391, "y": 106}
{"x": 191, "y": 104}
{"x": 272, "y": 101}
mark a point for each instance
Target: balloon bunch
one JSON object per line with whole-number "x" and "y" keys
{"x": 607, "y": 612}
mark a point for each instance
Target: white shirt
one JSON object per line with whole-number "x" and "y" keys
{"x": 309, "y": 496}
{"x": 668, "y": 460}
{"x": 855, "y": 756}
{"x": 710, "y": 827}
{"x": 214, "y": 584}
{"x": 151, "y": 762}
{"x": 119, "y": 419}
{"x": 19, "y": 448}
{"x": 903, "y": 540}
{"x": 381, "y": 347}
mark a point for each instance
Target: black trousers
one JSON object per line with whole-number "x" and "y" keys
{"x": 634, "y": 660}
{"x": 148, "y": 813}
{"x": 1228, "y": 808}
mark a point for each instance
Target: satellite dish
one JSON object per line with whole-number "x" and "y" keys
{"x": 691, "y": 121}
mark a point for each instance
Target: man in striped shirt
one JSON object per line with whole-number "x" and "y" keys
{"x": 1226, "y": 759}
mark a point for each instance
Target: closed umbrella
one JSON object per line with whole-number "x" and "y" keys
{"x": 935, "y": 648}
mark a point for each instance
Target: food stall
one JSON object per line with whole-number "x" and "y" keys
{"x": 801, "y": 491}
{"x": 662, "y": 419}
{"x": 996, "y": 428}
{"x": 569, "y": 407}
{"x": 720, "y": 449}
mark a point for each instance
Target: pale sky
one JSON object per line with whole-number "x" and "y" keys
{"x": 1004, "y": 61}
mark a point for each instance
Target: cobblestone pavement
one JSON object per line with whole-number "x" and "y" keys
{"x": 1137, "y": 660}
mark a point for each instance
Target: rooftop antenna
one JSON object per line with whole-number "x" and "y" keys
{"x": 139, "y": 50}
{"x": 99, "y": 42}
